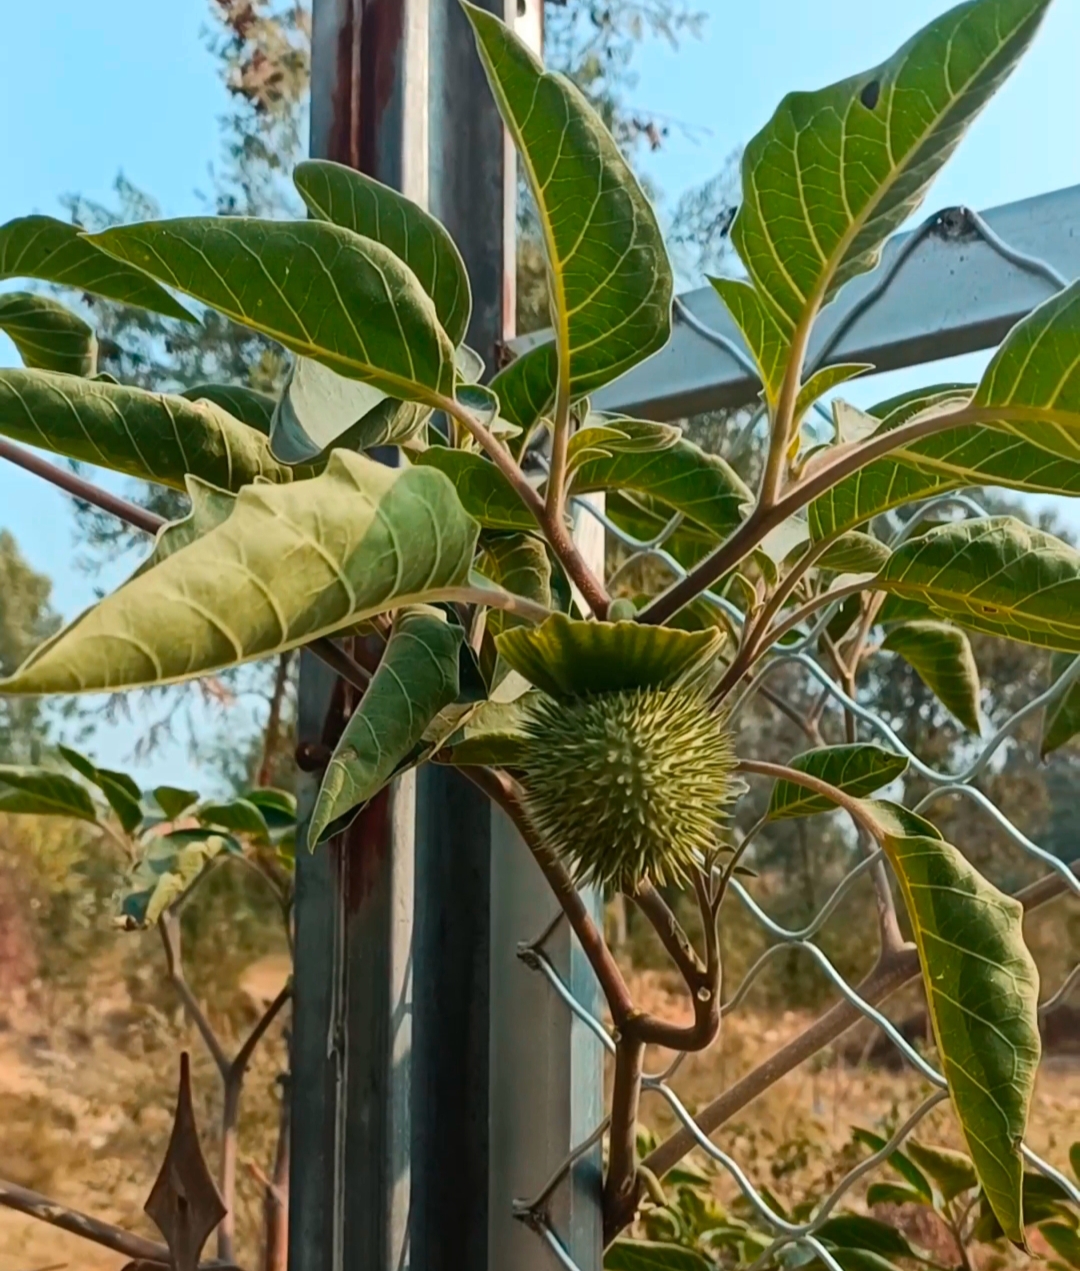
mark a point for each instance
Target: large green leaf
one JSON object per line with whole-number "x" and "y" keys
{"x": 493, "y": 735}
{"x": 854, "y": 553}
{"x": 1061, "y": 721}
{"x": 609, "y": 280}
{"x": 153, "y": 436}
{"x": 951, "y": 1170}
{"x": 45, "y": 248}
{"x": 291, "y": 563}
{"x": 906, "y": 1168}
{"x": 701, "y": 486}
{"x": 567, "y": 658}
{"x": 483, "y": 490}
{"x": 48, "y": 335}
{"x": 1035, "y": 377}
{"x": 1064, "y": 1240}
{"x": 767, "y": 335}
{"x": 824, "y": 380}
{"x": 246, "y": 404}
{"x": 237, "y": 816}
{"x": 973, "y": 454}
{"x": 173, "y": 801}
{"x": 650, "y": 1255}
{"x": 893, "y": 1194}
{"x": 858, "y": 770}
{"x": 416, "y": 678}
{"x": 121, "y": 791}
{"x": 644, "y": 518}
{"x": 982, "y": 988}
{"x": 322, "y": 291}
{"x": 518, "y": 563}
{"x": 604, "y": 436}
{"x": 209, "y": 508}
{"x": 346, "y": 197}
{"x": 836, "y": 171}
{"x": 995, "y": 575}
{"x": 319, "y": 409}
{"x": 169, "y": 867}
{"x": 526, "y": 388}
{"x": 942, "y": 656}
{"x": 856, "y": 1231}
{"x": 42, "y": 792}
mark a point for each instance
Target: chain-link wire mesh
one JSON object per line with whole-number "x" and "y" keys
{"x": 534, "y": 1210}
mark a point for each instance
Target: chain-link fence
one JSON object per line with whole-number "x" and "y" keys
{"x": 891, "y": 971}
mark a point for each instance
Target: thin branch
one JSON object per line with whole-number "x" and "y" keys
{"x": 736, "y": 856}
{"x": 710, "y": 908}
{"x": 835, "y": 465}
{"x": 554, "y": 528}
{"x": 230, "y": 1118}
{"x": 498, "y": 453}
{"x": 169, "y": 926}
{"x": 783, "y": 421}
{"x": 272, "y": 730}
{"x": 626, "y": 1017}
{"x": 564, "y": 547}
{"x": 276, "y": 1202}
{"x": 560, "y": 447}
{"x": 803, "y": 723}
{"x": 888, "y": 921}
{"x": 672, "y": 936}
{"x": 811, "y": 607}
{"x": 501, "y": 790}
{"x": 137, "y": 1248}
{"x": 134, "y": 515}
{"x": 243, "y": 1055}
{"x": 757, "y": 640}
{"x": 232, "y": 1072}
{"x": 335, "y": 657}
{"x": 498, "y": 598}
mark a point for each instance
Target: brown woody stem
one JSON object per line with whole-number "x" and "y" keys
{"x": 272, "y": 730}
{"x": 671, "y": 935}
{"x": 502, "y": 791}
{"x": 833, "y": 468}
{"x": 548, "y": 516}
{"x": 621, "y": 1181}
{"x": 138, "y": 517}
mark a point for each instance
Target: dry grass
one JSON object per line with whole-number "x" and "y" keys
{"x": 87, "y": 1083}
{"x": 87, "y": 1090}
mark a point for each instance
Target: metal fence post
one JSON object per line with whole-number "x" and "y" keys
{"x": 404, "y": 1082}
{"x": 352, "y": 1142}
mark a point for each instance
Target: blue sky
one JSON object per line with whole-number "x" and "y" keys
{"x": 87, "y": 91}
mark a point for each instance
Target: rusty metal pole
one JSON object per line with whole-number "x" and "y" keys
{"x": 433, "y": 1079}
{"x": 389, "y": 1163}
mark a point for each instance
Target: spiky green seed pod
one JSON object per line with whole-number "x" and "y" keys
{"x": 628, "y": 786}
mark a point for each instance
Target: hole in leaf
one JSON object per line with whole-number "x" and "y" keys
{"x": 871, "y": 94}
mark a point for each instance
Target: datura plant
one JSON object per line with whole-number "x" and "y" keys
{"x": 602, "y": 722}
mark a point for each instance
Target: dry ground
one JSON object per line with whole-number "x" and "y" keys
{"x": 87, "y": 1087}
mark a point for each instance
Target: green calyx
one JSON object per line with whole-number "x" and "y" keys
{"x": 628, "y": 786}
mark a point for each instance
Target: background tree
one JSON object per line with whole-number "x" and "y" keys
{"x": 26, "y": 619}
